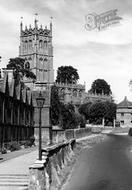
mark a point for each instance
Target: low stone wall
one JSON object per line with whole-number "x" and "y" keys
{"x": 82, "y": 132}
{"x": 69, "y": 134}
{"x": 58, "y": 136}
{"x": 47, "y": 174}
{"x": 62, "y": 135}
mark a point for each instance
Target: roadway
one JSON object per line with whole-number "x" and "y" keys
{"x": 105, "y": 166}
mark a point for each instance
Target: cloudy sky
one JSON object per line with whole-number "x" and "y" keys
{"x": 96, "y": 54}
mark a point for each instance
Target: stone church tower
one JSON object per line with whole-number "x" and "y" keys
{"x": 37, "y": 50}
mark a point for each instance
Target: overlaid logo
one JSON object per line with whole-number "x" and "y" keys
{"x": 102, "y": 21}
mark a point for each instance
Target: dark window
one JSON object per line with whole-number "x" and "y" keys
{"x": 40, "y": 44}
{"x": 27, "y": 65}
{"x": 122, "y": 122}
{"x": 122, "y": 114}
{"x": 45, "y": 43}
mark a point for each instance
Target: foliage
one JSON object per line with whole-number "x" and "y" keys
{"x": 3, "y": 150}
{"x": 100, "y": 86}
{"x": 30, "y": 142}
{"x": 82, "y": 121}
{"x": 84, "y": 109}
{"x": 17, "y": 64}
{"x": 95, "y": 112}
{"x": 110, "y": 113}
{"x": 70, "y": 118}
{"x": 63, "y": 115}
{"x": 55, "y": 106}
{"x": 67, "y": 74}
{"x": 13, "y": 146}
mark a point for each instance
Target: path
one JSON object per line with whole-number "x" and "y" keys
{"x": 14, "y": 172}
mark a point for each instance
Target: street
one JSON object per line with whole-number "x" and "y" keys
{"x": 105, "y": 166}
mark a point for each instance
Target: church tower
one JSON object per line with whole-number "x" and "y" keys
{"x": 37, "y": 50}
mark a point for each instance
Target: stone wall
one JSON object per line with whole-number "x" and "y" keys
{"x": 62, "y": 135}
{"x": 48, "y": 173}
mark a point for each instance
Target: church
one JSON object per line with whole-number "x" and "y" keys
{"x": 37, "y": 49}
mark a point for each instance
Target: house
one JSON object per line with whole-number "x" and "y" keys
{"x": 124, "y": 113}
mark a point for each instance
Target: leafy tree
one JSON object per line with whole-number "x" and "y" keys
{"x": 67, "y": 74}
{"x": 84, "y": 109}
{"x": 100, "y": 86}
{"x": 110, "y": 113}
{"x": 97, "y": 112}
{"x": 61, "y": 114}
{"x": 70, "y": 118}
{"x": 17, "y": 64}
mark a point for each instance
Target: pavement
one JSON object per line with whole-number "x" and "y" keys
{"x": 14, "y": 169}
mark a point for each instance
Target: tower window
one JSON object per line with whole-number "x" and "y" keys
{"x": 45, "y": 43}
{"x": 30, "y": 44}
{"x": 26, "y": 44}
{"x": 45, "y": 59}
{"x": 40, "y": 44}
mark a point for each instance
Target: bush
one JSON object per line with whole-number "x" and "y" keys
{"x": 3, "y": 150}
{"x": 30, "y": 142}
{"x": 82, "y": 122}
{"x": 13, "y": 146}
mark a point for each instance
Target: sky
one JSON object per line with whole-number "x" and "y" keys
{"x": 95, "y": 54}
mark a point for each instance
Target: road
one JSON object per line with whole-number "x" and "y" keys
{"x": 105, "y": 166}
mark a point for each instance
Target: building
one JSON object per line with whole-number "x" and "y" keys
{"x": 21, "y": 119}
{"x": 124, "y": 113}
{"x": 16, "y": 111}
{"x": 90, "y": 97}
{"x": 37, "y": 50}
{"x": 71, "y": 93}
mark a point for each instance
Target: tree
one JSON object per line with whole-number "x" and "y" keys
{"x": 100, "y": 86}
{"x": 84, "y": 109}
{"x": 110, "y": 113}
{"x": 67, "y": 74}
{"x": 97, "y": 112}
{"x": 17, "y": 64}
{"x": 55, "y": 106}
{"x": 70, "y": 118}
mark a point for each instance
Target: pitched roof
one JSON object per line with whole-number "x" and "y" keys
{"x": 125, "y": 103}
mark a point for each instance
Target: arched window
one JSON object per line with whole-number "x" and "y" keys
{"x": 40, "y": 44}
{"x": 30, "y": 44}
{"x": 75, "y": 93}
{"x": 80, "y": 94}
{"x": 27, "y": 65}
{"x": 45, "y": 44}
{"x": 26, "y": 44}
{"x": 45, "y": 59}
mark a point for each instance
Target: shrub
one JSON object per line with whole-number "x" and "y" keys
{"x": 30, "y": 142}
{"x": 13, "y": 146}
{"x": 3, "y": 150}
{"x": 82, "y": 122}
